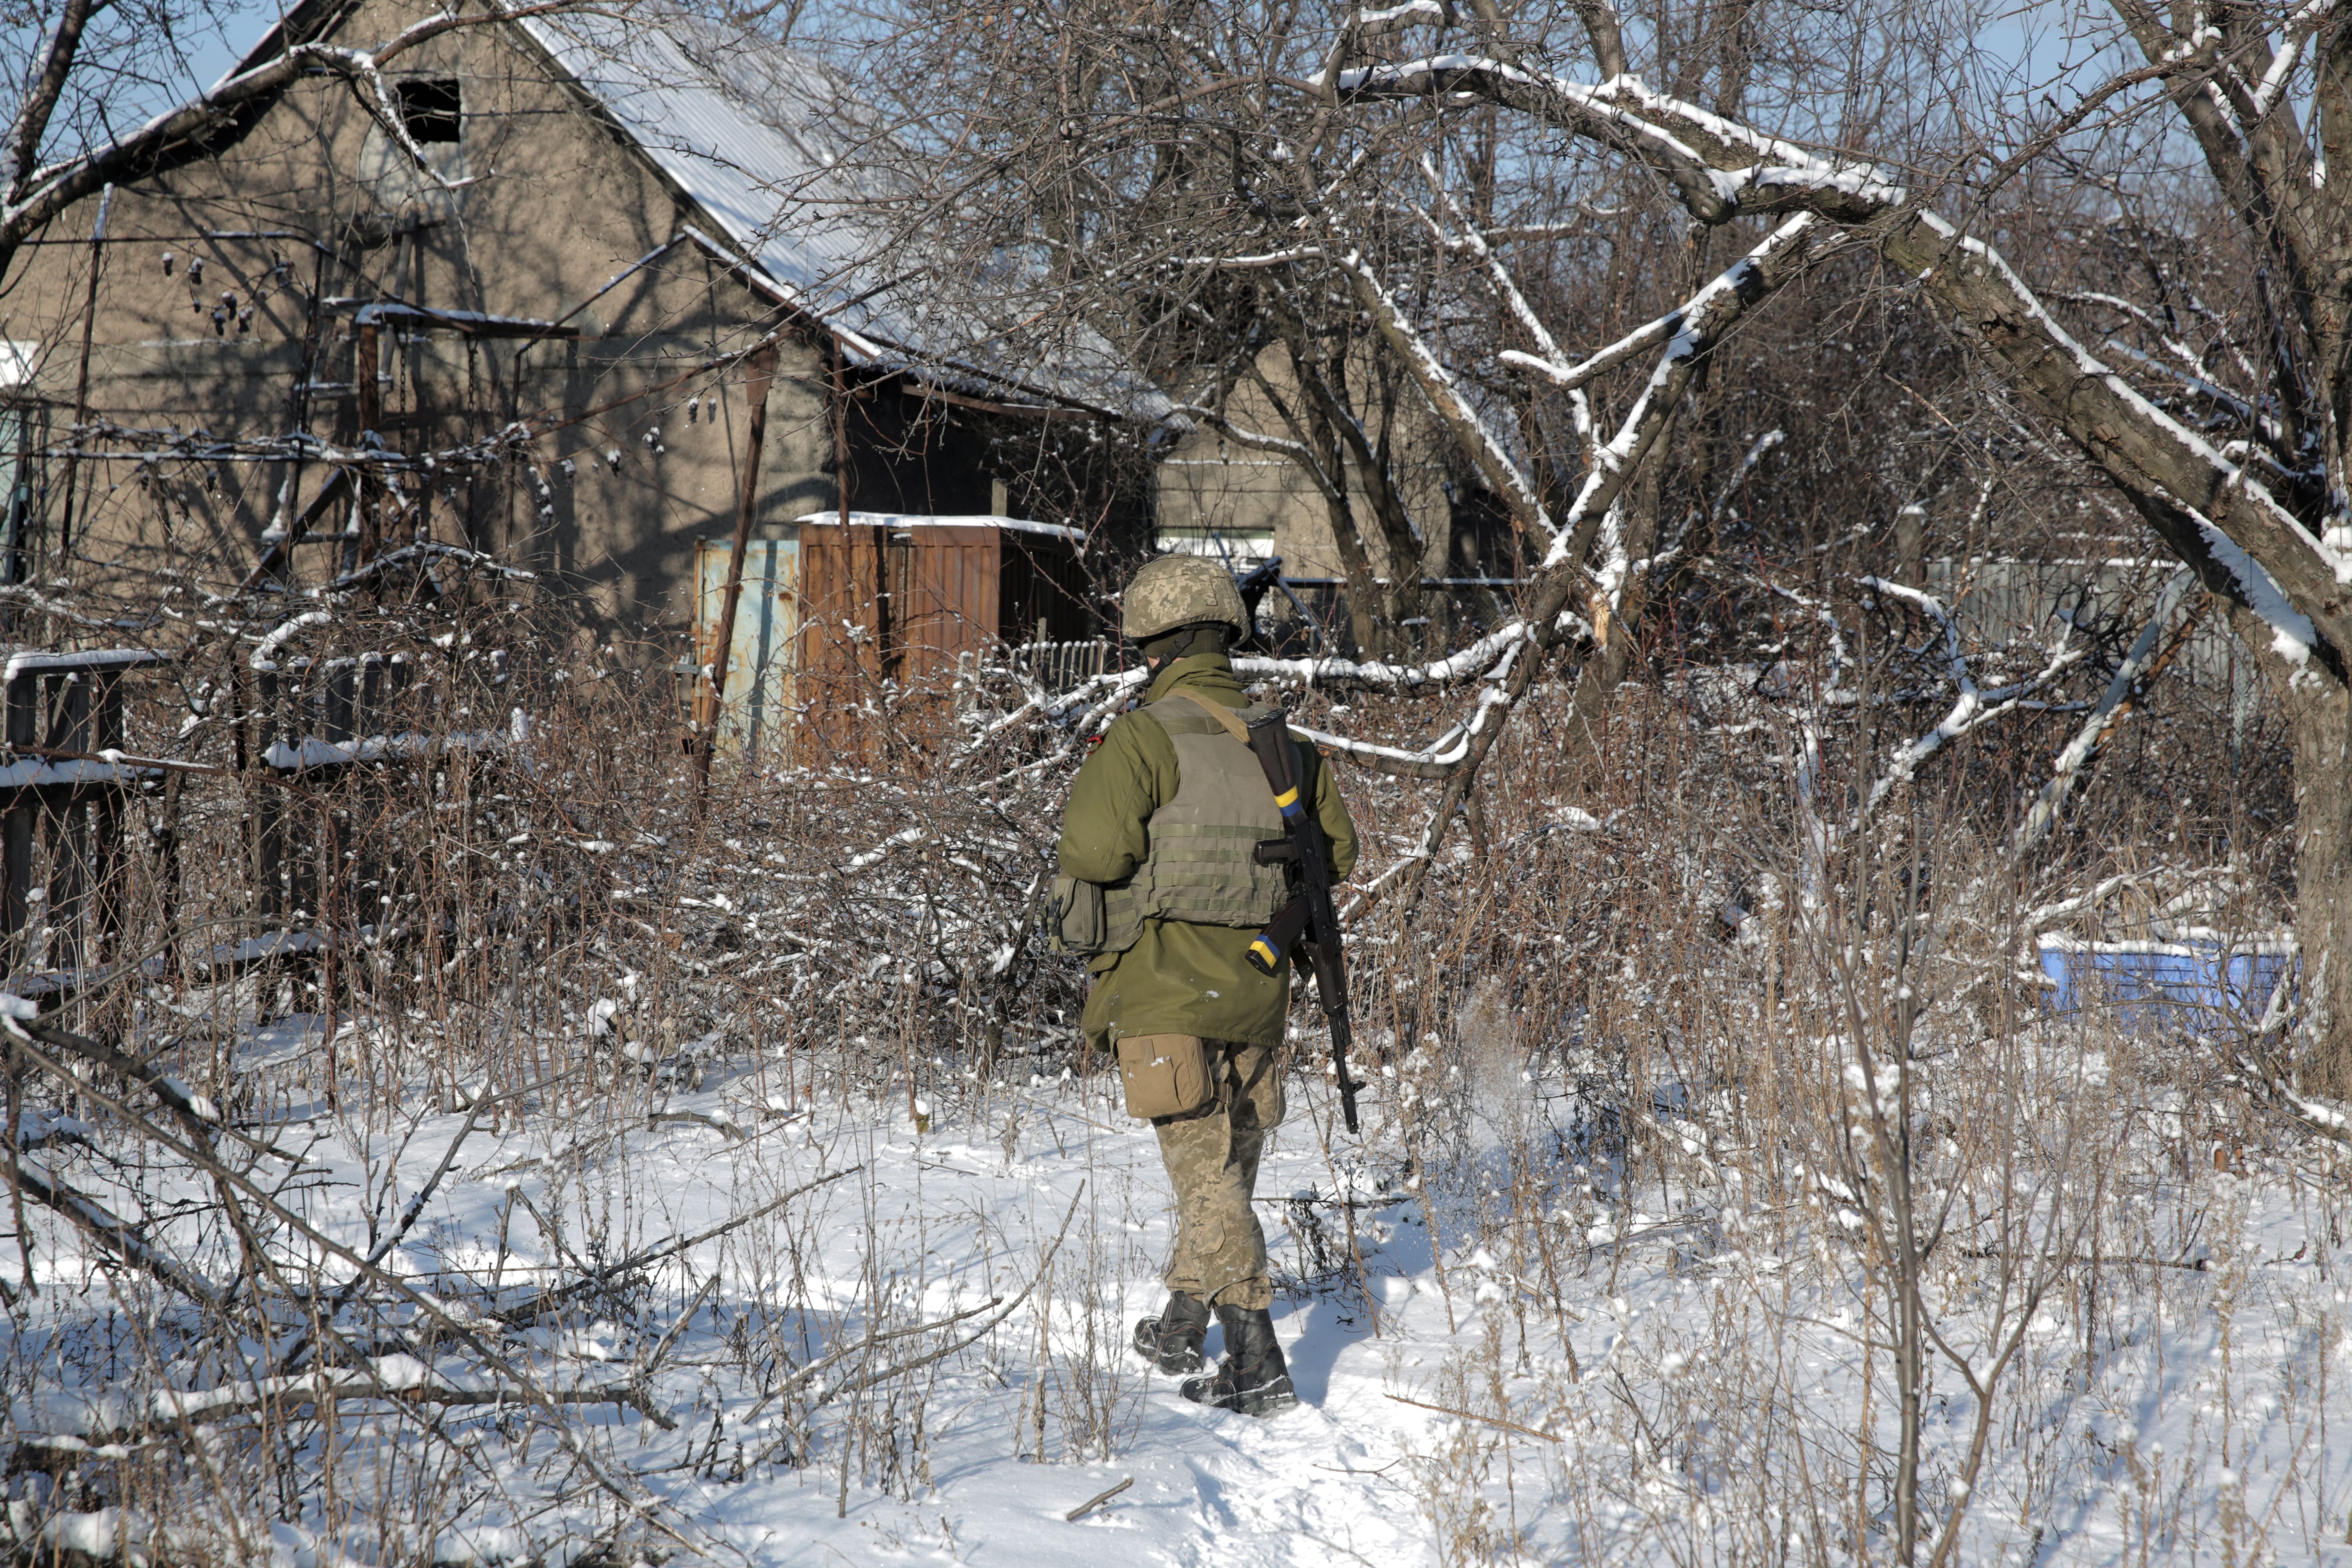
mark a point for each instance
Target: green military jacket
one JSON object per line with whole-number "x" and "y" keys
{"x": 1180, "y": 977}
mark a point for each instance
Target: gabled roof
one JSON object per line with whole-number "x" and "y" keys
{"x": 763, "y": 139}
{"x": 800, "y": 176}
{"x": 802, "y": 185}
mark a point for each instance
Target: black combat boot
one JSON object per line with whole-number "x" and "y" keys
{"x": 1252, "y": 1378}
{"x": 1172, "y": 1342}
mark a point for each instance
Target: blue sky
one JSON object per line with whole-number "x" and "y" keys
{"x": 2029, "y": 36}
{"x": 211, "y": 56}
{"x": 2026, "y": 51}
{"x": 238, "y": 32}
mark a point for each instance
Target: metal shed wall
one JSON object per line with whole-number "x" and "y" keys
{"x": 813, "y": 640}
{"x": 760, "y": 663}
{"x": 944, "y": 602}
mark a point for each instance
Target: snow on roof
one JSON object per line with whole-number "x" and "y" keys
{"x": 926, "y": 519}
{"x": 43, "y": 661}
{"x": 805, "y": 181}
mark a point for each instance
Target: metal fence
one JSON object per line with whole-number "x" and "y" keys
{"x": 2002, "y": 600}
{"x": 1059, "y": 666}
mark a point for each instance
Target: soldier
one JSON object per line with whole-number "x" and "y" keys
{"x": 1163, "y": 887}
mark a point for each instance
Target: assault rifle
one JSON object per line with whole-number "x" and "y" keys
{"x": 1308, "y": 922}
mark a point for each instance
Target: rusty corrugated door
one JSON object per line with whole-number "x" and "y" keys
{"x": 844, "y": 637}
{"x": 944, "y": 602}
{"x": 828, "y": 663}
{"x": 941, "y": 601}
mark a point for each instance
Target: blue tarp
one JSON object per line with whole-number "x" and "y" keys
{"x": 2152, "y": 986}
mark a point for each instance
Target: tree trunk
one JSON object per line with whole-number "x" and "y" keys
{"x": 1364, "y": 605}
{"x": 1364, "y": 618}
{"x": 2322, "y": 718}
{"x": 1618, "y": 632}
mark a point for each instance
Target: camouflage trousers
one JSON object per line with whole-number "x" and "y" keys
{"x": 1211, "y": 1157}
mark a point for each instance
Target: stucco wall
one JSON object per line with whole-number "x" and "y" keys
{"x": 1211, "y": 481}
{"x": 647, "y": 448}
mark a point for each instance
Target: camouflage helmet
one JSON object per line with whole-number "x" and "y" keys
{"x": 1172, "y": 590}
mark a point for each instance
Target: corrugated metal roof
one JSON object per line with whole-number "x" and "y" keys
{"x": 796, "y": 171}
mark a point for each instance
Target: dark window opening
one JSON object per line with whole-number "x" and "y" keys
{"x": 429, "y": 108}
{"x": 24, "y": 491}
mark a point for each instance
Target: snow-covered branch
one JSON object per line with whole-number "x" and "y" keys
{"x": 265, "y": 656}
{"x": 1702, "y": 323}
{"x": 1721, "y": 169}
{"x": 2299, "y": 31}
{"x": 1505, "y": 287}
{"x": 1462, "y": 417}
{"x": 1477, "y": 659}
{"x": 1972, "y": 709}
{"x": 1757, "y": 451}
{"x": 1441, "y": 759}
{"x": 2115, "y": 705}
{"x": 1396, "y": 18}
{"x": 429, "y": 550}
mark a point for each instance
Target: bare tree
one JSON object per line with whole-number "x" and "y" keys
{"x": 92, "y": 66}
{"x": 1172, "y": 146}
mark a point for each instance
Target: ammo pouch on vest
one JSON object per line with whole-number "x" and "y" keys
{"x": 1164, "y": 1075}
{"x": 1079, "y": 925}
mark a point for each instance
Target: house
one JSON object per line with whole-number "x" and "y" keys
{"x": 1236, "y": 491}
{"x": 506, "y": 307}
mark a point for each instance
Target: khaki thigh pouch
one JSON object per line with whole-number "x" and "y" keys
{"x": 1164, "y": 1075}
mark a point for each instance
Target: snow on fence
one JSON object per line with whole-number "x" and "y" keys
{"x": 1059, "y": 667}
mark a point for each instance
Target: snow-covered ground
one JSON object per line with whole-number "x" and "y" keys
{"x": 972, "y": 1271}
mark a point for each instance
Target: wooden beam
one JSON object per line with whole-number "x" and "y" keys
{"x": 763, "y": 376}
{"x": 915, "y": 387}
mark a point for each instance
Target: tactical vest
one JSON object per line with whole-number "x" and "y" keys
{"x": 1202, "y": 863}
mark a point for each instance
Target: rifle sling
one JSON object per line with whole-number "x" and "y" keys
{"x": 1217, "y": 711}
{"x": 1233, "y": 726}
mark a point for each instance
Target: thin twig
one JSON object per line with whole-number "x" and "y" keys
{"x": 1472, "y": 1415}
{"x": 1097, "y": 1501}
